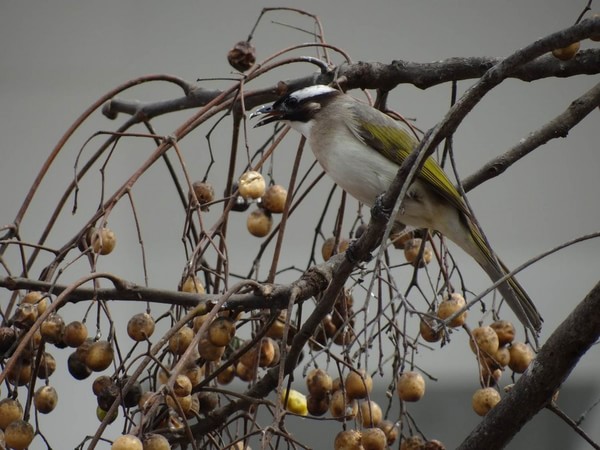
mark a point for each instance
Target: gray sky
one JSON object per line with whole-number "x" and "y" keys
{"x": 56, "y": 58}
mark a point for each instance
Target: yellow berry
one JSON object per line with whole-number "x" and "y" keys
{"x": 275, "y": 198}
{"x": 251, "y": 185}
{"x": 411, "y": 386}
{"x": 485, "y": 399}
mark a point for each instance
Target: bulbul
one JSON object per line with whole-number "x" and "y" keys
{"x": 361, "y": 149}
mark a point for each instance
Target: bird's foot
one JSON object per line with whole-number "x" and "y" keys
{"x": 379, "y": 211}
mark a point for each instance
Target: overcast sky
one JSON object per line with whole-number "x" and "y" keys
{"x": 56, "y": 58}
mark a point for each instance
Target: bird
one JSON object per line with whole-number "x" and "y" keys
{"x": 362, "y": 148}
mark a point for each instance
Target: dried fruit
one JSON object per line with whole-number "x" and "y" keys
{"x": 412, "y": 249}
{"x": 485, "y": 340}
{"x": 221, "y": 331}
{"x": 101, "y": 414}
{"x": 358, "y": 384}
{"x": 502, "y": 356}
{"x": 140, "y": 327}
{"x": 319, "y": 383}
{"x": 204, "y": 191}
{"x": 340, "y": 407}
{"x": 327, "y": 248}
{"x": 240, "y": 204}
{"x": 244, "y": 372}
{"x": 209, "y": 351}
{"x": 505, "y": 331}
{"x": 177, "y": 403}
{"x": 38, "y": 299}
{"x": 370, "y": 414}
{"x": 347, "y": 440}
{"x": 100, "y": 383}
{"x": 156, "y": 442}
{"x": 20, "y": 374}
{"x": 45, "y": 399}
{"x": 400, "y": 238}
{"x": 133, "y": 395}
{"x": 53, "y": 328}
{"x": 259, "y": 223}
{"x": 428, "y": 330}
{"x": 180, "y": 341}
{"x": 317, "y": 406}
{"x": 485, "y": 399}
{"x": 8, "y": 337}
{"x": 373, "y": 439}
{"x": 450, "y": 306}
{"x": 75, "y": 334}
{"x": 207, "y": 401}
{"x": 242, "y": 56}
{"x": 521, "y": 356}
{"x": 99, "y": 356}
{"x": 10, "y": 410}
{"x": 182, "y": 386}
{"x": 103, "y": 241}
{"x": 192, "y": 285}
{"x": 251, "y": 185}
{"x": 275, "y": 198}
{"x": 412, "y": 443}
{"x": 47, "y": 366}
{"x": 127, "y": 442}
{"x": 77, "y": 368}
{"x": 25, "y": 315}
{"x": 411, "y": 386}
{"x": 226, "y": 376}
{"x": 18, "y": 435}
{"x": 390, "y": 430}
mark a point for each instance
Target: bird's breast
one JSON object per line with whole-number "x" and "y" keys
{"x": 357, "y": 168}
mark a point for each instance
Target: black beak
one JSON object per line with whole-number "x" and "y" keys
{"x": 271, "y": 115}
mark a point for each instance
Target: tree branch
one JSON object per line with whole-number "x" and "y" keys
{"x": 557, "y": 127}
{"x": 274, "y": 296}
{"x": 534, "y": 390}
{"x": 376, "y": 75}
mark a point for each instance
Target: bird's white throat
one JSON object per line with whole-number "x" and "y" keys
{"x": 304, "y": 128}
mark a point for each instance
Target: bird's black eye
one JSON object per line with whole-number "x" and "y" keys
{"x": 291, "y": 101}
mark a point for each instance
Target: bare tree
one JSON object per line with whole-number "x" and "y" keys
{"x": 229, "y": 320}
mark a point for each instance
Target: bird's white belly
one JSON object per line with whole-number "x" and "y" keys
{"x": 364, "y": 174}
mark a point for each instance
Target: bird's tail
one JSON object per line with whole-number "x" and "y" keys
{"x": 511, "y": 290}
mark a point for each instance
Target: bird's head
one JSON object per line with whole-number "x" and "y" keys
{"x": 298, "y": 109}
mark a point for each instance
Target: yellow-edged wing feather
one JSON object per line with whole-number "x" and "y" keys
{"x": 393, "y": 141}
{"x": 389, "y": 138}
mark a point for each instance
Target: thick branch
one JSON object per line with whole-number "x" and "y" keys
{"x": 375, "y": 75}
{"x": 534, "y": 390}
{"x": 387, "y": 76}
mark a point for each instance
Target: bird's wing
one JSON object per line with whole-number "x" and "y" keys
{"x": 388, "y": 137}
{"x": 392, "y": 140}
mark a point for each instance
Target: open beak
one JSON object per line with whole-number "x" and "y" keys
{"x": 269, "y": 115}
